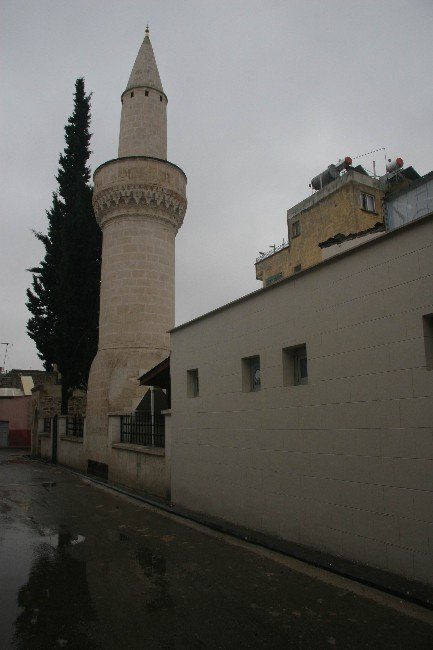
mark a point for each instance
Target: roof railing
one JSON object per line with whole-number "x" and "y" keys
{"x": 274, "y": 249}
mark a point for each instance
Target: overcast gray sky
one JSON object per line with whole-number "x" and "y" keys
{"x": 263, "y": 95}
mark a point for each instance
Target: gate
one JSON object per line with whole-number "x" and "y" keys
{"x": 54, "y": 440}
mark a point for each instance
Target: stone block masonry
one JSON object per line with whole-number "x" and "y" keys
{"x": 140, "y": 202}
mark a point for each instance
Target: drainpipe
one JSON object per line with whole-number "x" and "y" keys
{"x": 152, "y": 413}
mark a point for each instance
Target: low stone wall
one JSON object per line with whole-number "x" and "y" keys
{"x": 135, "y": 466}
{"x": 138, "y": 467}
{"x": 70, "y": 452}
{"x": 70, "y": 449}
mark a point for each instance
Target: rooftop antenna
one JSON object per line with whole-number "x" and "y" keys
{"x": 368, "y": 153}
{"x": 6, "y": 354}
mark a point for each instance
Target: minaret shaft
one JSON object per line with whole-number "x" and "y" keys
{"x": 143, "y": 125}
{"x": 139, "y": 201}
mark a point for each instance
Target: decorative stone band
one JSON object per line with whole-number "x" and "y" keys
{"x": 139, "y": 186}
{"x": 124, "y": 199}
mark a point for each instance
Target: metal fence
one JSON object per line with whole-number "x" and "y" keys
{"x": 141, "y": 428}
{"x": 75, "y": 426}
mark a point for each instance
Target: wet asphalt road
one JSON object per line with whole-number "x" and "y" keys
{"x": 84, "y": 567}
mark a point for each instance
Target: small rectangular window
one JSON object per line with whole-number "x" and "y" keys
{"x": 368, "y": 202}
{"x": 296, "y": 228}
{"x": 301, "y": 366}
{"x": 132, "y": 94}
{"x": 160, "y": 98}
{"x": 146, "y": 92}
{"x": 427, "y": 322}
{"x": 251, "y": 374}
{"x": 295, "y": 365}
{"x": 273, "y": 278}
{"x": 192, "y": 383}
{"x": 297, "y": 268}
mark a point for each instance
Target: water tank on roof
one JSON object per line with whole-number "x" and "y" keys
{"x": 325, "y": 177}
{"x": 330, "y": 174}
{"x": 394, "y": 165}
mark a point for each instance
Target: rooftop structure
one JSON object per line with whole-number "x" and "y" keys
{"x": 348, "y": 204}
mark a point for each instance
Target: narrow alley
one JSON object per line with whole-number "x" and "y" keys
{"x": 83, "y": 567}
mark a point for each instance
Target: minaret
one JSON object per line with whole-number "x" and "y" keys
{"x": 140, "y": 202}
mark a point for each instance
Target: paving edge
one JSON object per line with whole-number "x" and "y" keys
{"x": 409, "y": 590}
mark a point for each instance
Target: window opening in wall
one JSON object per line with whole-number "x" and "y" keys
{"x": 295, "y": 365}
{"x": 427, "y": 322}
{"x": 132, "y": 94}
{"x": 297, "y": 268}
{"x": 273, "y": 278}
{"x": 192, "y": 383}
{"x": 160, "y": 98}
{"x": 368, "y": 202}
{"x": 146, "y": 92}
{"x": 301, "y": 366}
{"x": 296, "y": 228}
{"x": 251, "y": 374}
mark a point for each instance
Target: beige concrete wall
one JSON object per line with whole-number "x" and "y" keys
{"x": 345, "y": 463}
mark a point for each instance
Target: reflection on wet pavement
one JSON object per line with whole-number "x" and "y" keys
{"x": 54, "y": 597}
{"x": 47, "y": 582}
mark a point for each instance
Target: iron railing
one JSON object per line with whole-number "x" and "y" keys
{"x": 273, "y": 249}
{"x": 75, "y": 426}
{"x": 141, "y": 428}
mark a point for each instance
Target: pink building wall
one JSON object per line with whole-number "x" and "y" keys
{"x": 18, "y": 412}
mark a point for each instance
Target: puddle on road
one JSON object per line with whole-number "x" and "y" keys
{"x": 41, "y": 583}
{"x": 154, "y": 568}
{"x": 150, "y": 563}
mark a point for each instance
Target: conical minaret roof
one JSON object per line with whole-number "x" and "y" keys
{"x": 145, "y": 71}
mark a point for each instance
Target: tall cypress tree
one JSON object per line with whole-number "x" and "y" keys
{"x": 64, "y": 299}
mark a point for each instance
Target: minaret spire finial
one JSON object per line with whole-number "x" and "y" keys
{"x": 147, "y": 29}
